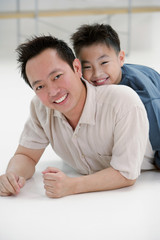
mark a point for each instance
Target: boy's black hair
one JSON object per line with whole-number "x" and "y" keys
{"x": 36, "y": 45}
{"x": 87, "y": 35}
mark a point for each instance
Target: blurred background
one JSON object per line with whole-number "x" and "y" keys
{"x": 136, "y": 21}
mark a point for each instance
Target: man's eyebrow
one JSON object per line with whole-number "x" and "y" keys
{"x": 35, "y": 82}
{"x": 54, "y": 71}
{"x": 38, "y": 81}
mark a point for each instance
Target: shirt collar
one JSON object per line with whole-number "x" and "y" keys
{"x": 89, "y": 110}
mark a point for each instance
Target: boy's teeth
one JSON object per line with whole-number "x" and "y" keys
{"x": 61, "y": 99}
{"x": 99, "y": 81}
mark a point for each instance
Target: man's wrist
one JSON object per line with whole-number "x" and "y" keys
{"x": 79, "y": 185}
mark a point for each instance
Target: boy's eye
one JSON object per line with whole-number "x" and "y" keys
{"x": 104, "y": 62}
{"x": 86, "y": 67}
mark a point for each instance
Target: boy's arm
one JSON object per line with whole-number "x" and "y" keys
{"x": 57, "y": 184}
{"x": 20, "y": 168}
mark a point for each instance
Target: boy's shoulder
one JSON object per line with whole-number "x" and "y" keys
{"x": 137, "y": 68}
{"x": 138, "y": 75}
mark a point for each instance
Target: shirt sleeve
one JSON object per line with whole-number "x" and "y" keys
{"x": 130, "y": 140}
{"x": 33, "y": 135}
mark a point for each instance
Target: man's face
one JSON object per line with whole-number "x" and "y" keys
{"x": 55, "y": 83}
{"x": 101, "y": 65}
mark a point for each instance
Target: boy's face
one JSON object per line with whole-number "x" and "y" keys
{"x": 101, "y": 65}
{"x": 55, "y": 83}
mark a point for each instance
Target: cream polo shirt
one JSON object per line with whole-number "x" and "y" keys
{"x": 112, "y": 131}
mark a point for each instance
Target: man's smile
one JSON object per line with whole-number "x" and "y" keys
{"x": 61, "y": 99}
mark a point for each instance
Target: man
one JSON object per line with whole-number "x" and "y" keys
{"x": 101, "y": 132}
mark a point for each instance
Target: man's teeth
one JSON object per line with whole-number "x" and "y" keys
{"x": 61, "y": 99}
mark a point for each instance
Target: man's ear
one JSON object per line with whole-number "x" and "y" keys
{"x": 77, "y": 67}
{"x": 121, "y": 57}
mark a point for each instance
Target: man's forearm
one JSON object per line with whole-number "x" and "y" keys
{"x": 107, "y": 179}
{"x": 24, "y": 161}
{"x": 57, "y": 184}
{"x": 22, "y": 166}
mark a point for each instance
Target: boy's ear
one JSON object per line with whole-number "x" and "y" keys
{"x": 77, "y": 66}
{"x": 122, "y": 57}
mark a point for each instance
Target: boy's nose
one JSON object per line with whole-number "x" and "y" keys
{"x": 96, "y": 73}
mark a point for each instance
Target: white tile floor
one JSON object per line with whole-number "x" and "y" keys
{"x": 131, "y": 213}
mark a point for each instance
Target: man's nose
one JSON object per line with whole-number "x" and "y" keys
{"x": 53, "y": 89}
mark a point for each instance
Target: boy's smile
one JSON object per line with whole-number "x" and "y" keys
{"x": 100, "y": 64}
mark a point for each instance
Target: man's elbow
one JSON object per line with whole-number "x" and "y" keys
{"x": 130, "y": 182}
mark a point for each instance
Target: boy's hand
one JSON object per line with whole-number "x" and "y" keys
{"x": 56, "y": 183}
{"x": 10, "y": 184}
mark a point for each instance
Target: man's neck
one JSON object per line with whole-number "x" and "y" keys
{"x": 74, "y": 117}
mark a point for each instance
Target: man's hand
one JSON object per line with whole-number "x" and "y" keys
{"x": 56, "y": 183}
{"x": 10, "y": 184}
{"x": 20, "y": 168}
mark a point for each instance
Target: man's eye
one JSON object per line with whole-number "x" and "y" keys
{"x": 104, "y": 62}
{"x": 58, "y": 76}
{"x": 39, "y": 88}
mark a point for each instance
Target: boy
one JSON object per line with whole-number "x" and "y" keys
{"x": 98, "y": 48}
